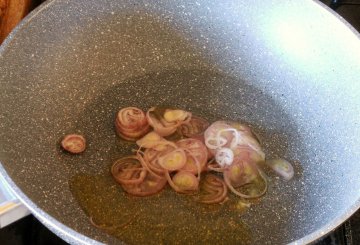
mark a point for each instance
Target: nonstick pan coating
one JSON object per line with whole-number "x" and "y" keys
{"x": 288, "y": 69}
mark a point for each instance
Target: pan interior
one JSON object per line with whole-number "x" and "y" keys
{"x": 167, "y": 216}
{"x": 66, "y": 72}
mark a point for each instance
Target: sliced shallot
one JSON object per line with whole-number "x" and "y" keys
{"x": 212, "y": 165}
{"x": 166, "y": 126}
{"x": 214, "y": 190}
{"x": 196, "y": 154}
{"x": 149, "y": 186}
{"x": 131, "y": 123}
{"x": 232, "y": 188}
{"x": 281, "y": 167}
{"x": 151, "y": 157}
{"x": 224, "y": 157}
{"x": 146, "y": 165}
{"x": 246, "y": 153}
{"x": 128, "y": 170}
{"x": 195, "y": 128}
{"x": 242, "y": 173}
{"x": 149, "y": 140}
{"x": 74, "y": 143}
{"x": 217, "y": 135}
{"x": 183, "y": 181}
{"x": 155, "y": 141}
{"x": 173, "y": 160}
{"x": 176, "y": 115}
{"x": 229, "y": 148}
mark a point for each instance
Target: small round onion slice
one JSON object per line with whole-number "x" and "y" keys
{"x": 153, "y": 140}
{"x": 151, "y": 157}
{"x": 149, "y": 140}
{"x": 149, "y": 186}
{"x": 176, "y": 115}
{"x": 128, "y": 170}
{"x": 131, "y": 123}
{"x": 248, "y": 154}
{"x": 212, "y": 165}
{"x": 223, "y": 134}
{"x": 217, "y": 135}
{"x": 183, "y": 181}
{"x": 146, "y": 164}
{"x": 173, "y": 160}
{"x": 242, "y": 173}
{"x": 213, "y": 190}
{"x": 281, "y": 167}
{"x": 196, "y": 154}
{"x": 224, "y": 157}
{"x": 74, "y": 143}
{"x": 195, "y": 128}
{"x": 238, "y": 193}
{"x": 166, "y": 126}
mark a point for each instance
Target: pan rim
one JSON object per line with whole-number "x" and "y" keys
{"x": 68, "y": 234}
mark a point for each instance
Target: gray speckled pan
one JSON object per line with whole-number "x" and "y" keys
{"x": 289, "y": 68}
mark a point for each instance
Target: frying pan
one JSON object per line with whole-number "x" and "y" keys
{"x": 289, "y": 69}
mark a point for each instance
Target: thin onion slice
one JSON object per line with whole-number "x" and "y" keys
{"x": 131, "y": 118}
{"x": 214, "y": 188}
{"x": 224, "y": 157}
{"x": 176, "y": 115}
{"x": 196, "y": 153}
{"x": 146, "y": 165}
{"x": 244, "y": 129}
{"x": 217, "y": 135}
{"x": 192, "y": 160}
{"x": 232, "y": 147}
{"x": 183, "y": 181}
{"x": 128, "y": 170}
{"x": 242, "y": 173}
{"x": 74, "y": 143}
{"x": 151, "y": 157}
{"x": 155, "y": 141}
{"x": 212, "y": 165}
{"x": 131, "y": 123}
{"x": 215, "y": 167}
{"x": 150, "y": 140}
{"x": 222, "y": 134}
{"x": 150, "y": 186}
{"x": 235, "y": 140}
{"x": 214, "y": 143}
{"x": 240, "y": 127}
{"x": 281, "y": 167}
{"x": 246, "y": 153}
{"x": 195, "y": 128}
{"x": 173, "y": 160}
{"x": 131, "y": 136}
{"x": 155, "y": 117}
{"x": 228, "y": 181}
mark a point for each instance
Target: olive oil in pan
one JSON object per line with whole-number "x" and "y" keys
{"x": 165, "y": 218}
{"x": 168, "y": 217}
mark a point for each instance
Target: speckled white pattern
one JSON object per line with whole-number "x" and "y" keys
{"x": 290, "y": 69}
